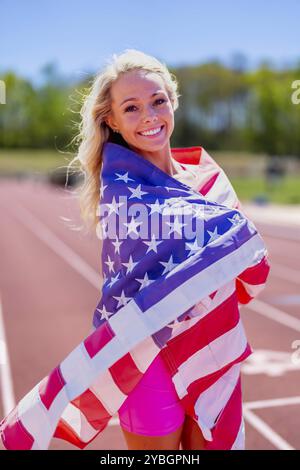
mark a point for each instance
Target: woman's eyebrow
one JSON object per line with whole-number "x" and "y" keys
{"x": 135, "y": 99}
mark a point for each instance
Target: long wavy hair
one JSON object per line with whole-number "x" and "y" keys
{"x": 94, "y": 131}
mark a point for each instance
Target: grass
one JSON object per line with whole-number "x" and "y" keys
{"x": 248, "y": 188}
{"x": 28, "y": 161}
{"x": 286, "y": 191}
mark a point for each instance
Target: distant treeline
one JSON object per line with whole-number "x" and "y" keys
{"x": 220, "y": 108}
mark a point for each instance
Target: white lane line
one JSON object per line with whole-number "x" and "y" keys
{"x": 59, "y": 247}
{"x": 287, "y": 274}
{"x": 7, "y": 391}
{"x": 274, "y": 314}
{"x": 114, "y": 421}
{"x": 260, "y": 404}
{"x": 264, "y": 429}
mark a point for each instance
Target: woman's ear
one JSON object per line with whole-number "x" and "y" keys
{"x": 110, "y": 123}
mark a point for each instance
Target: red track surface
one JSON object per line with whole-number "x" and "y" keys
{"x": 47, "y": 308}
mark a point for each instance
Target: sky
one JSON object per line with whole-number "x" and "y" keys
{"x": 80, "y": 35}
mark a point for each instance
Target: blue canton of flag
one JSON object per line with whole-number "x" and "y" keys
{"x": 150, "y": 224}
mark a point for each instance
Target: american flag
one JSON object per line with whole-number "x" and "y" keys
{"x": 177, "y": 262}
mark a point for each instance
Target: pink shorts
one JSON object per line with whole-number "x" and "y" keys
{"x": 153, "y": 408}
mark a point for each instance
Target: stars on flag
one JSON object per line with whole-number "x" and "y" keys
{"x": 213, "y": 235}
{"x": 130, "y": 265}
{"x": 179, "y": 204}
{"x": 169, "y": 265}
{"x": 153, "y": 244}
{"x": 156, "y": 207}
{"x": 110, "y": 264}
{"x": 145, "y": 281}
{"x": 176, "y": 226}
{"x": 235, "y": 220}
{"x": 122, "y": 299}
{"x": 137, "y": 192}
{"x": 104, "y": 313}
{"x": 114, "y": 206}
{"x": 124, "y": 177}
{"x": 193, "y": 247}
{"x": 113, "y": 280}
{"x": 132, "y": 226}
{"x": 117, "y": 245}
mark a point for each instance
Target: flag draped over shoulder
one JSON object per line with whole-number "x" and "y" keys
{"x": 176, "y": 262}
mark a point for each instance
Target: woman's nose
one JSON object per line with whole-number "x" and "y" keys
{"x": 150, "y": 115}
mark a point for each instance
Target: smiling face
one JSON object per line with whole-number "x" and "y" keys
{"x": 141, "y": 103}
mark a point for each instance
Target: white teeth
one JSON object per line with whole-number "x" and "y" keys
{"x": 154, "y": 131}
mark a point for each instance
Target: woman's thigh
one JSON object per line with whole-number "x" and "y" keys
{"x": 169, "y": 441}
{"x": 192, "y": 437}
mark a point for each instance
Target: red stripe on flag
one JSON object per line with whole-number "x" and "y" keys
{"x": 208, "y": 185}
{"x": 125, "y": 373}
{"x": 228, "y": 423}
{"x": 13, "y": 433}
{"x": 216, "y": 323}
{"x": 256, "y": 274}
{"x": 190, "y": 155}
{"x": 65, "y": 432}
{"x": 98, "y": 339}
{"x": 96, "y": 414}
{"x": 203, "y": 383}
{"x": 243, "y": 296}
{"x": 51, "y": 386}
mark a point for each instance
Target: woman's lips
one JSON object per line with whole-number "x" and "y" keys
{"x": 153, "y": 135}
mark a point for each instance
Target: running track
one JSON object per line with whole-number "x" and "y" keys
{"x": 49, "y": 287}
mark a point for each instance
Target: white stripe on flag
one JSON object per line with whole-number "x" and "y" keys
{"x": 35, "y": 418}
{"x": 108, "y": 392}
{"x": 77, "y": 382}
{"x": 213, "y": 400}
{"x": 144, "y": 353}
{"x": 224, "y": 196}
{"x": 217, "y": 354}
{"x": 80, "y": 425}
{"x": 239, "y": 443}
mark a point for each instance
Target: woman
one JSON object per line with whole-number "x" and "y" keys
{"x": 129, "y": 118}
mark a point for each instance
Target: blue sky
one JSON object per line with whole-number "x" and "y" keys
{"x": 80, "y": 35}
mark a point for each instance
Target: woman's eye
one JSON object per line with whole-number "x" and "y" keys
{"x": 132, "y": 106}
{"x": 128, "y": 107}
{"x": 161, "y": 99}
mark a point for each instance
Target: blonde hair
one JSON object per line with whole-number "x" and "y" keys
{"x": 94, "y": 131}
